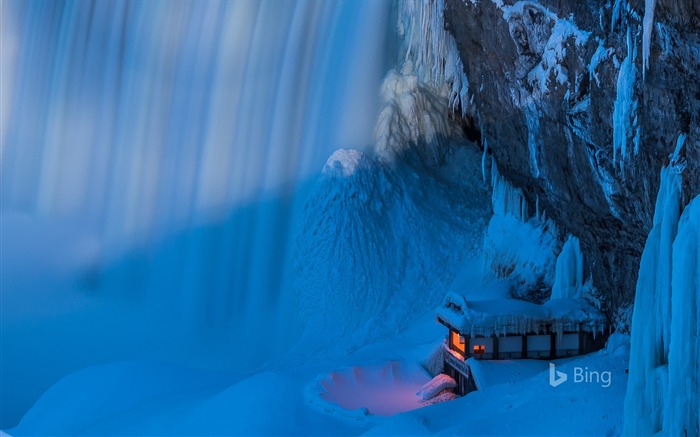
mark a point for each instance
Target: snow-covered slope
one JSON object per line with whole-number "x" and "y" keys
{"x": 380, "y": 242}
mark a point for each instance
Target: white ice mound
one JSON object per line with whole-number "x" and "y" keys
{"x": 413, "y": 117}
{"x": 381, "y": 389}
{"x": 345, "y": 162}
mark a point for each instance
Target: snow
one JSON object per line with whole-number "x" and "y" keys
{"x": 511, "y": 397}
{"x": 436, "y": 385}
{"x": 601, "y": 54}
{"x": 514, "y": 316}
{"x": 551, "y": 47}
{"x": 625, "y": 109}
{"x": 568, "y": 277}
{"x": 344, "y": 163}
{"x": 528, "y": 404}
{"x": 554, "y": 53}
{"x": 357, "y": 271}
{"x": 664, "y": 359}
{"x": 489, "y": 373}
{"x": 647, "y": 28}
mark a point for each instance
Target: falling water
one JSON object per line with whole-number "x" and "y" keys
{"x": 184, "y": 133}
{"x": 155, "y": 118}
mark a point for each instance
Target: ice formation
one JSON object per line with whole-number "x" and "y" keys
{"x": 418, "y": 96}
{"x": 625, "y": 109}
{"x": 532, "y": 120}
{"x": 568, "y": 276}
{"x": 413, "y": 119}
{"x": 665, "y": 350}
{"x": 682, "y": 411}
{"x": 648, "y": 27}
{"x": 517, "y": 245}
{"x": 433, "y": 51}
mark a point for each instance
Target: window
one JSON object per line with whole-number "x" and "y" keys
{"x": 479, "y": 349}
{"x": 457, "y": 342}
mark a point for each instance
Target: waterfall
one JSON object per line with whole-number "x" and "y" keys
{"x": 183, "y": 134}
{"x": 153, "y": 119}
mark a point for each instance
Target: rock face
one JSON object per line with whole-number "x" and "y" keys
{"x": 560, "y": 96}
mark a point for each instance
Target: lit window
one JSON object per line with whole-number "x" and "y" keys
{"x": 457, "y": 342}
{"x": 479, "y": 349}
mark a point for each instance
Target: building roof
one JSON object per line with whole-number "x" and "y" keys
{"x": 513, "y": 316}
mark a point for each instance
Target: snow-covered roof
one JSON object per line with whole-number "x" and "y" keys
{"x": 513, "y": 316}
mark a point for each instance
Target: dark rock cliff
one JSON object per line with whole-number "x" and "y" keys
{"x": 544, "y": 80}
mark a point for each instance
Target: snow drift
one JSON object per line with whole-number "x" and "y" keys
{"x": 380, "y": 243}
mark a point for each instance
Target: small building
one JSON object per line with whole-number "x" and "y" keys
{"x": 516, "y": 329}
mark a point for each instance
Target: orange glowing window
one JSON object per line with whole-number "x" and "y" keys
{"x": 479, "y": 349}
{"x": 457, "y": 341}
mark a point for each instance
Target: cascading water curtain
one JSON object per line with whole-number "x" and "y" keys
{"x": 184, "y": 129}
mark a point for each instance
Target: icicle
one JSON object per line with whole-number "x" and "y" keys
{"x": 624, "y": 112}
{"x": 679, "y": 148}
{"x": 507, "y": 199}
{"x": 649, "y": 6}
{"x": 652, "y": 317}
{"x": 569, "y": 270}
{"x": 483, "y": 159}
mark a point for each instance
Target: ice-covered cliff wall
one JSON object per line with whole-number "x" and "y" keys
{"x": 557, "y": 92}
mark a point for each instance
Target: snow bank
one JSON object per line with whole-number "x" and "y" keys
{"x": 489, "y": 373}
{"x": 85, "y": 401}
{"x": 516, "y": 398}
{"x": 665, "y": 350}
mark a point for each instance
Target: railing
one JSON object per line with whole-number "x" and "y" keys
{"x": 458, "y": 364}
